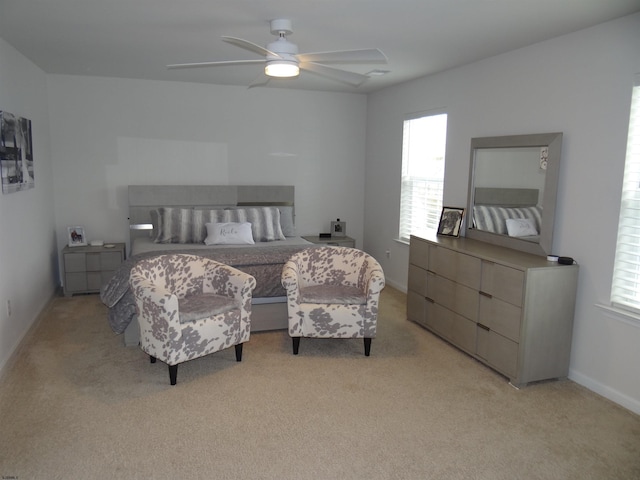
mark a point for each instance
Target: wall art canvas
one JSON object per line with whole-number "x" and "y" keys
{"x": 16, "y": 153}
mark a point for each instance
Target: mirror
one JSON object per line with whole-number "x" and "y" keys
{"x": 513, "y": 182}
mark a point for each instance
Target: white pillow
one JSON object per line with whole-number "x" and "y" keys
{"x": 521, "y": 227}
{"x": 229, "y": 234}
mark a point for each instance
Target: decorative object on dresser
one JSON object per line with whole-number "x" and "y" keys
{"x": 87, "y": 268}
{"x": 450, "y": 221}
{"x": 331, "y": 240}
{"x": 511, "y": 310}
{"x": 332, "y": 292}
{"x": 76, "y": 236}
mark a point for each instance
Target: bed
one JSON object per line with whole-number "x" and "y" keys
{"x": 180, "y": 219}
{"x": 508, "y": 211}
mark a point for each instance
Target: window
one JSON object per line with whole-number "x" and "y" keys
{"x": 423, "y": 148}
{"x": 625, "y": 290}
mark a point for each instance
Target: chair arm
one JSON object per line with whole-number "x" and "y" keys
{"x": 289, "y": 277}
{"x": 157, "y": 302}
{"x": 374, "y": 281}
{"x": 229, "y": 282}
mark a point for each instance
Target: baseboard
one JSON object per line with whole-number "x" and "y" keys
{"x": 606, "y": 391}
{"x": 13, "y": 354}
{"x": 396, "y": 285}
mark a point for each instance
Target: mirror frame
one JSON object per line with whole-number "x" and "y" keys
{"x": 554, "y": 142}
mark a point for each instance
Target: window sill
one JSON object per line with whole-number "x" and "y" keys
{"x": 621, "y": 315}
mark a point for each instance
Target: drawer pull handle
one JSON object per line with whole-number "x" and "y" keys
{"x": 485, "y": 294}
{"x": 430, "y": 300}
{"x": 484, "y": 327}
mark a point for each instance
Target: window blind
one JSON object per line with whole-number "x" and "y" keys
{"x": 625, "y": 289}
{"x": 423, "y": 151}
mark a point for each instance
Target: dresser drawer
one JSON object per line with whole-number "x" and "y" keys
{"x": 439, "y": 319}
{"x": 418, "y": 280}
{"x": 498, "y": 351}
{"x": 419, "y": 253}
{"x": 459, "y": 267}
{"x": 501, "y": 317}
{"x": 503, "y": 282}
{"x": 463, "y": 333}
{"x": 456, "y": 297}
{"x": 416, "y": 311}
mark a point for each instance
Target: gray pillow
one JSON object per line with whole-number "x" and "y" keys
{"x": 174, "y": 225}
{"x": 265, "y": 222}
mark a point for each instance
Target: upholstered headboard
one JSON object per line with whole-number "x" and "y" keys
{"x": 145, "y": 198}
{"x": 506, "y": 197}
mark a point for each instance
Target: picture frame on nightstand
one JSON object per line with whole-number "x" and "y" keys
{"x": 338, "y": 229}
{"x": 76, "y": 236}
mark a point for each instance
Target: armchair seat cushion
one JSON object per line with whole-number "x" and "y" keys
{"x": 335, "y": 294}
{"x": 204, "y": 305}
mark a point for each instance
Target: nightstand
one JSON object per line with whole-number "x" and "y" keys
{"x": 86, "y": 269}
{"x": 337, "y": 241}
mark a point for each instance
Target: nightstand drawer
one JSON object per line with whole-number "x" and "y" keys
{"x": 88, "y": 268}
{"x": 75, "y": 262}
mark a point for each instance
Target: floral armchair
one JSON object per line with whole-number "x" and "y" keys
{"x": 189, "y": 306}
{"x": 332, "y": 292}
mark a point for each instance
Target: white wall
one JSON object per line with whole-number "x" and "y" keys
{"x": 108, "y": 133}
{"x": 579, "y": 84}
{"x": 27, "y": 234}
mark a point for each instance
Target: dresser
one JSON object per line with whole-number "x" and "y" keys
{"x": 510, "y": 310}
{"x": 87, "y": 268}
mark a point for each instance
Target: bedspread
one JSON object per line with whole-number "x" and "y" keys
{"x": 264, "y": 264}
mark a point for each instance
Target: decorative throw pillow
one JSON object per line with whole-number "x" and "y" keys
{"x": 200, "y": 219}
{"x": 174, "y": 225}
{"x": 154, "y": 224}
{"x": 286, "y": 221}
{"x": 265, "y": 222}
{"x": 521, "y": 227}
{"x": 229, "y": 233}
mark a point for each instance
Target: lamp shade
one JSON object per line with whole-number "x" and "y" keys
{"x": 282, "y": 68}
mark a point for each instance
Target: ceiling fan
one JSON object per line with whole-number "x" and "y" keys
{"x": 281, "y": 58}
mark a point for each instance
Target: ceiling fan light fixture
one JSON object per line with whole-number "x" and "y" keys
{"x": 282, "y": 69}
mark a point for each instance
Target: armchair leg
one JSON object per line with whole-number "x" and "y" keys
{"x": 367, "y": 346}
{"x": 153, "y": 359}
{"x": 173, "y": 374}
{"x": 296, "y": 345}
{"x": 239, "y": 352}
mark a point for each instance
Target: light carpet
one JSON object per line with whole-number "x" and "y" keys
{"x": 76, "y": 404}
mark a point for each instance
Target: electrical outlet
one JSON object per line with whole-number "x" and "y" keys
{"x": 388, "y": 252}
{"x": 9, "y": 307}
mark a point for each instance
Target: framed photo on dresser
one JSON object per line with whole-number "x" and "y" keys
{"x": 450, "y": 221}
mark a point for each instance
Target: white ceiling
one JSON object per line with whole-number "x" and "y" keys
{"x": 137, "y": 38}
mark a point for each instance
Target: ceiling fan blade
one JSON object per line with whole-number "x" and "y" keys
{"x": 368, "y": 55}
{"x": 260, "y": 81}
{"x": 215, "y": 64}
{"x": 247, "y": 45}
{"x": 351, "y": 78}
